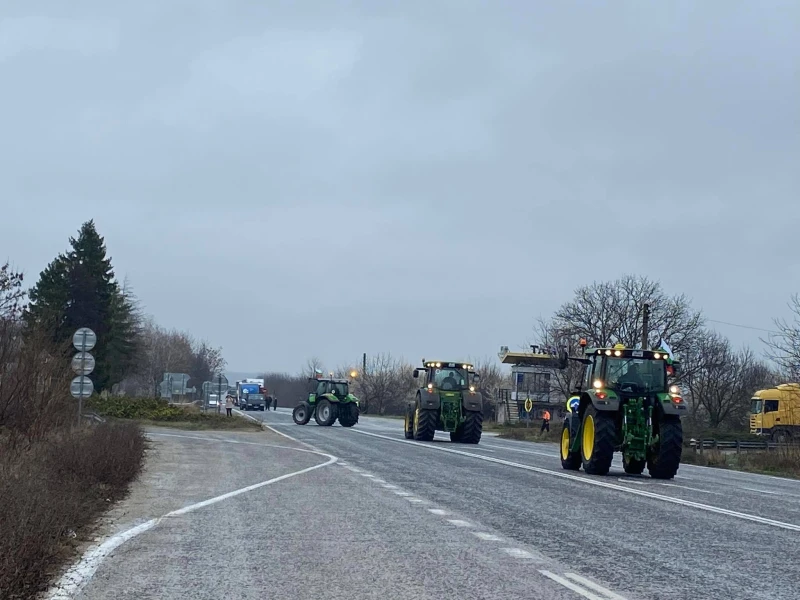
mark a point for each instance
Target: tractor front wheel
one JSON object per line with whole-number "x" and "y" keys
{"x": 325, "y": 415}
{"x": 633, "y": 466}
{"x": 348, "y": 414}
{"x": 302, "y": 413}
{"x": 425, "y": 424}
{"x": 571, "y": 461}
{"x": 597, "y": 441}
{"x": 665, "y": 457}
{"x": 471, "y": 429}
{"x": 408, "y": 425}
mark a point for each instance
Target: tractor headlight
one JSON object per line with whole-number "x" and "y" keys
{"x": 656, "y": 355}
{"x": 597, "y": 384}
{"x": 472, "y": 388}
{"x": 674, "y": 389}
{"x": 430, "y": 386}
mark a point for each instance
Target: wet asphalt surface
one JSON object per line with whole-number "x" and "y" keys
{"x": 397, "y": 519}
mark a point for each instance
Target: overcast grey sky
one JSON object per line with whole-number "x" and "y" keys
{"x": 419, "y": 177}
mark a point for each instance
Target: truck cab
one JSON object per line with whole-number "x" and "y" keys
{"x": 775, "y": 412}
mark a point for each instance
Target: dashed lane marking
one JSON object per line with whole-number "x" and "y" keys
{"x": 459, "y": 523}
{"x": 486, "y": 537}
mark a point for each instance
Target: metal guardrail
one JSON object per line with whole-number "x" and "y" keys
{"x": 739, "y": 445}
{"x": 93, "y": 417}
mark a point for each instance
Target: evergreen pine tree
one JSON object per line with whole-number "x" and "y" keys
{"x": 78, "y": 289}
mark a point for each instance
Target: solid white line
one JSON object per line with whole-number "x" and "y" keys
{"x": 520, "y": 553}
{"x": 487, "y": 537}
{"x": 749, "y": 489}
{"x": 594, "y": 586}
{"x": 598, "y": 483}
{"x": 80, "y": 573}
{"x": 438, "y": 511}
{"x": 686, "y": 487}
{"x": 572, "y": 586}
{"x": 459, "y": 523}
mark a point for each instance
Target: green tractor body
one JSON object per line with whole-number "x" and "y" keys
{"x": 330, "y": 400}
{"x": 626, "y": 404}
{"x": 447, "y": 400}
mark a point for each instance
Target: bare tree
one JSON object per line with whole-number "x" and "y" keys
{"x": 610, "y": 312}
{"x": 492, "y": 379}
{"x": 784, "y": 345}
{"x": 386, "y": 385}
{"x": 313, "y": 365}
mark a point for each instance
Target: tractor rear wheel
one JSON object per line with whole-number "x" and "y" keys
{"x": 425, "y": 424}
{"x": 302, "y": 413}
{"x": 633, "y": 466}
{"x": 325, "y": 414}
{"x": 597, "y": 441}
{"x": 571, "y": 461}
{"x": 408, "y": 425}
{"x": 472, "y": 427}
{"x": 665, "y": 457}
{"x": 348, "y": 414}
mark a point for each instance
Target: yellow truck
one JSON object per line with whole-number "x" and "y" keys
{"x": 776, "y": 412}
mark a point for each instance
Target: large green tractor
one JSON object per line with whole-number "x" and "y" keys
{"x": 330, "y": 400}
{"x": 447, "y": 400}
{"x": 626, "y": 404}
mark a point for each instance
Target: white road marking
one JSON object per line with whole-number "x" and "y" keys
{"x": 415, "y": 500}
{"x": 459, "y": 523}
{"x": 438, "y": 511}
{"x": 594, "y": 586}
{"x": 598, "y": 483}
{"x": 572, "y": 586}
{"x": 520, "y": 553}
{"x": 401, "y": 493}
{"x": 487, "y": 537}
{"x": 749, "y": 489}
{"x": 521, "y": 451}
{"x": 376, "y": 480}
{"x": 686, "y": 487}
{"x": 389, "y": 486}
{"x": 367, "y": 475}
{"x": 636, "y": 481}
{"x": 81, "y": 573}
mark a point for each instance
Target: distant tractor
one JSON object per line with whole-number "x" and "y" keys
{"x": 626, "y": 404}
{"x": 330, "y": 400}
{"x": 447, "y": 400}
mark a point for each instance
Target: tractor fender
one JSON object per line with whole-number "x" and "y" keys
{"x": 573, "y": 422}
{"x": 472, "y": 400}
{"x": 331, "y": 398}
{"x": 608, "y": 404}
{"x": 670, "y": 408}
{"x": 429, "y": 400}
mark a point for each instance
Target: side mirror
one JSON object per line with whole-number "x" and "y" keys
{"x": 416, "y": 373}
{"x": 476, "y": 377}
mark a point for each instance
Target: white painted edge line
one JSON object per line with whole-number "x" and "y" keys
{"x": 520, "y": 553}
{"x": 459, "y": 523}
{"x": 486, "y": 537}
{"x": 599, "y": 483}
{"x": 594, "y": 586}
{"x": 81, "y": 573}
{"x": 438, "y": 511}
{"x": 607, "y": 594}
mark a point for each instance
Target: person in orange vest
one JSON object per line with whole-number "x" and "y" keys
{"x": 546, "y": 420}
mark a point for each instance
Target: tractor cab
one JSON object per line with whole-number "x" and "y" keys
{"x": 338, "y": 387}
{"x": 445, "y": 376}
{"x": 626, "y": 371}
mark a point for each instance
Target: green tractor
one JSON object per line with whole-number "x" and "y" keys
{"x": 447, "y": 400}
{"x": 626, "y": 404}
{"x": 330, "y": 400}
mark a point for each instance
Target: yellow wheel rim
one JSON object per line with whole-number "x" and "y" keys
{"x": 565, "y": 443}
{"x": 588, "y": 437}
{"x": 416, "y": 418}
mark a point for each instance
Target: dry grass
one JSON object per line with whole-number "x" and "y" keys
{"x": 52, "y": 491}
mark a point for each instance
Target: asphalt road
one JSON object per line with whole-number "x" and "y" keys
{"x": 372, "y": 515}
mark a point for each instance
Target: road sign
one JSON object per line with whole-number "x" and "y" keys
{"x": 528, "y": 405}
{"x": 81, "y": 387}
{"x": 83, "y": 363}
{"x": 84, "y": 339}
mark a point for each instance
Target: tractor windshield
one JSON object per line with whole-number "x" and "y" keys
{"x": 636, "y": 375}
{"x": 450, "y": 379}
{"x": 338, "y": 389}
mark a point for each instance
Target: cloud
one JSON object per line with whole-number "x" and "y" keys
{"x": 85, "y": 37}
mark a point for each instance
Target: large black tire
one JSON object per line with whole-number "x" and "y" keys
{"x": 571, "y": 461}
{"x": 348, "y": 414}
{"x": 665, "y": 458}
{"x": 455, "y": 436}
{"x": 472, "y": 427}
{"x": 425, "y": 424}
{"x": 598, "y": 435}
{"x": 302, "y": 413}
{"x": 408, "y": 425}
{"x": 325, "y": 415}
{"x": 633, "y": 467}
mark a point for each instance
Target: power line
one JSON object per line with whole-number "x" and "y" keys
{"x": 744, "y": 326}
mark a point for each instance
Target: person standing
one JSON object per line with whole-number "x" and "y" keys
{"x": 274, "y": 403}
{"x": 229, "y": 405}
{"x": 546, "y": 420}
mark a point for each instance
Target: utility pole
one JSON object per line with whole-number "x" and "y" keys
{"x": 645, "y": 325}
{"x": 364, "y": 364}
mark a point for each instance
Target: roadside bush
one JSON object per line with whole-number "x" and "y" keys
{"x": 52, "y": 491}
{"x": 125, "y": 407}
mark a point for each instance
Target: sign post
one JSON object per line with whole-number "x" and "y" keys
{"x": 83, "y": 364}
{"x": 221, "y": 385}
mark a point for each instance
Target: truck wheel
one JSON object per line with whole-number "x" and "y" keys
{"x": 633, "y": 466}
{"x": 472, "y": 427}
{"x": 301, "y": 413}
{"x": 665, "y": 457}
{"x": 348, "y": 414}
{"x": 408, "y": 425}
{"x": 425, "y": 424}
{"x": 571, "y": 461}
{"x": 325, "y": 414}
{"x": 597, "y": 441}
